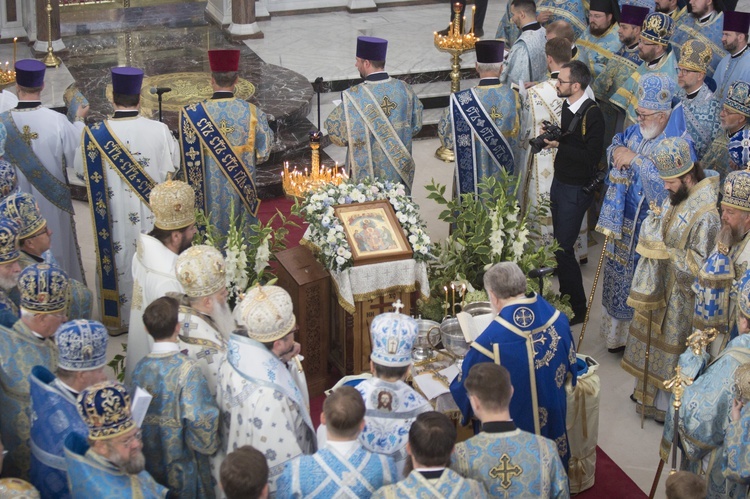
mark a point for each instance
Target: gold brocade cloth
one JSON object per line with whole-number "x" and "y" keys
{"x": 186, "y": 89}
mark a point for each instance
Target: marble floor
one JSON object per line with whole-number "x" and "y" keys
{"x": 323, "y": 44}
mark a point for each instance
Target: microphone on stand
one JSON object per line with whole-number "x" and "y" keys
{"x": 159, "y": 91}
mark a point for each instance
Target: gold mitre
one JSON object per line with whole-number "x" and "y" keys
{"x": 173, "y": 204}
{"x": 742, "y": 383}
{"x": 267, "y": 312}
{"x": 15, "y": 488}
{"x": 201, "y": 270}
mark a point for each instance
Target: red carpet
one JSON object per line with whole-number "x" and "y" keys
{"x": 611, "y": 482}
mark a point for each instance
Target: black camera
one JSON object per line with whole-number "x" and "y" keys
{"x": 595, "y": 182}
{"x": 551, "y": 132}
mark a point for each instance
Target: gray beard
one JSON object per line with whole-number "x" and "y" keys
{"x": 131, "y": 466}
{"x": 649, "y": 133}
{"x": 8, "y": 283}
{"x": 222, "y": 317}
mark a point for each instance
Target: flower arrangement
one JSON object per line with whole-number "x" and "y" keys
{"x": 327, "y": 234}
{"x": 247, "y": 258}
{"x": 487, "y": 229}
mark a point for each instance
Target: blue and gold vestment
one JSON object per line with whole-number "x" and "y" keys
{"x": 731, "y": 69}
{"x": 181, "y": 427}
{"x": 709, "y": 32}
{"x": 449, "y": 485}
{"x": 20, "y": 351}
{"x": 246, "y": 128}
{"x": 596, "y": 51}
{"x": 377, "y": 120}
{"x": 702, "y": 120}
{"x": 54, "y": 417}
{"x": 512, "y": 462}
{"x": 704, "y": 414}
{"x": 327, "y": 474}
{"x": 626, "y": 203}
{"x": 91, "y": 475}
{"x": 533, "y": 341}
{"x": 626, "y": 95}
{"x": 503, "y": 106}
{"x": 80, "y": 299}
{"x": 9, "y": 312}
{"x": 737, "y": 453}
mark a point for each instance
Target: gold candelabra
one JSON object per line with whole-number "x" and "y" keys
{"x": 8, "y": 74}
{"x": 456, "y": 42}
{"x": 50, "y": 60}
{"x": 297, "y": 183}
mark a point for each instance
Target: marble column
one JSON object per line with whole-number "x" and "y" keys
{"x": 244, "y": 25}
{"x": 12, "y": 19}
{"x": 42, "y": 30}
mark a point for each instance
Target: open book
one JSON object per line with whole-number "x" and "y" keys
{"x": 473, "y": 325}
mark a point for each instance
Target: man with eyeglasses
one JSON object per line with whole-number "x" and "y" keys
{"x": 35, "y": 241}
{"x": 656, "y": 52}
{"x": 699, "y": 106}
{"x": 734, "y": 118}
{"x": 578, "y": 153}
{"x": 44, "y": 293}
{"x": 634, "y": 184}
{"x": 110, "y": 462}
{"x": 704, "y": 22}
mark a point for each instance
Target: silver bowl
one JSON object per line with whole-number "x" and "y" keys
{"x": 453, "y": 340}
{"x": 478, "y": 308}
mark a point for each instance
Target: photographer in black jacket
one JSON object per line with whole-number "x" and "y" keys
{"x": 578, "y": 153}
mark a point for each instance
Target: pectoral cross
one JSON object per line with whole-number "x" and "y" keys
{"x": 208, "y": 354}
{"x": 505, "y": 470}
{"x": 494, "y": 114}
{"x": 388, "y": 105}
{"x": 27, "y": 135}
{"x": 224, "y": 128}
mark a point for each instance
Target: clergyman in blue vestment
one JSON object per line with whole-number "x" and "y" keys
{"x": 509, "y": 461}
{"x": 110, "y": 462}
{"x": 343, "y": 468}
{"x": 181, "y": 429}
{"x": 531, "y": 339}
{"x": 82, "y": 347}
{"x": 44, "y": 293}
{"x": 432, "y": 437}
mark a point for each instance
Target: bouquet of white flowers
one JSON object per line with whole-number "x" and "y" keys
{"x": 327, "y": 234}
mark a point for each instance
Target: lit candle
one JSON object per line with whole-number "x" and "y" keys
{"x": 453, "y": 300}
{"x": 15, "y": 39}
{"x": 447, "y": 305}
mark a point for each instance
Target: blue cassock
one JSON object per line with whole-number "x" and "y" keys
{"x": 91, "y": 476}
{"x": 20, "y": 351}
{"x": 9, "y": 312}
{"x": 531, "y": 339}
{"x": 181, "y": 426}
{"x": 327, "y": 473}
{"x": 55, "y": 416}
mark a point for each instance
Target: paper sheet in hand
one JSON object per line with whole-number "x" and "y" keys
{"x": 473, "y": 325}
{"x": 433, "y": 388}
{"x": 139, "y": 406}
